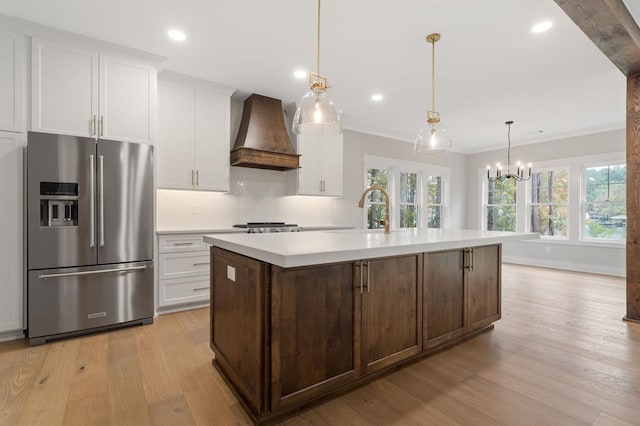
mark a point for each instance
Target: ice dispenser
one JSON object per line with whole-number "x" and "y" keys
{"x": 58, "y": 204}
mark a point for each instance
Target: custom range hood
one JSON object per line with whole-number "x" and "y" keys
{"x": 263, "y": 141}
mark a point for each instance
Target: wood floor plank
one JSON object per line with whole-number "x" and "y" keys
{"x": 560, "y": 355}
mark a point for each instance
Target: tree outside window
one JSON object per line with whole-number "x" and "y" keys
{"x": 501, "y": 205}
{"x": 434, "y": 201}
{"x": 549, "y": 201}
{"x": 375, "y": 199}
{"x": 408, "y": 200}
{"x": 605, "y": 206}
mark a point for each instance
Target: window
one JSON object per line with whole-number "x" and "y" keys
{"x": 408, "y": 200}
{"x": 434, "y": 201}
{"x": 605, "y": 203}
{"x": 375, "y": 199}
{"x": 548, "y": 209}
{"x": 417, "y": 193}
{"x": 501, "y": 205}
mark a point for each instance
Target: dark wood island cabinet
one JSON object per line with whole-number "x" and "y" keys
{"x": 285, "y": 338}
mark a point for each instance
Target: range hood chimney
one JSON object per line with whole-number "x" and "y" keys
{"x": 263, "y": 141}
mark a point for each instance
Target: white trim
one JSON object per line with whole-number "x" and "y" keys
{"x": 569, "y": 266}
{"x": 12, "y": 335}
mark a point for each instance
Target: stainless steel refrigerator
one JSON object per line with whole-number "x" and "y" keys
{"x": 89, "y": 235}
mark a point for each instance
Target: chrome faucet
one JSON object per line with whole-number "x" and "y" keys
{"x": 385, "y": 221}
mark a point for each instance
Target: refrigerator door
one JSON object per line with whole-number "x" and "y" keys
{"x": 125, "y": 202}
{"x": 60, "y": 201}
{"x": 69, "y": 300}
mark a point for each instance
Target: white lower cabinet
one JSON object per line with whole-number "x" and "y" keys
{"x": 11, "y": 288}
{"x": 183, "y": 270}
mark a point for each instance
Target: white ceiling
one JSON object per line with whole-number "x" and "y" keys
{"x": 489, "y": 66}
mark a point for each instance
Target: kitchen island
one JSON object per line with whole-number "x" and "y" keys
{"x": 297, "y": 318}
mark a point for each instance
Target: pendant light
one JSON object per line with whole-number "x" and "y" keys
{"x": 500, "y": 174}
{"x": 316, "y": 107}
{"x": 432, "y": 136}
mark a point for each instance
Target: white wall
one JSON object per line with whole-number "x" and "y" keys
{"x": 573, "y": 255}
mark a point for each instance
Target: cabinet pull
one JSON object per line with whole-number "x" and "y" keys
{"x": 102, "y": 125}
{"x": 471, "y": 259}
{"x": 182, "y": 244}
{"x": 192, "y": 177}
{"x": 366, "y": 265}
{"x": 197, "y": 177}
{"x": 201, "y": 263}
{"x": 359, "y": 266}
{"x": 200, "y": 289}
{"x": 93, "y": 126}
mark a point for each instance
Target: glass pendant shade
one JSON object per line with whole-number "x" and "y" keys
{"x": 432, "y": 137}
{"x": 317, "y": 108}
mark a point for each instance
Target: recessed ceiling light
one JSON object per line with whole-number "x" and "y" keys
{"x": 377, "y": 97}
{"x": 177, "y": 35}
{"x": 300, "y": 74}
{"x": 541, "y": 27}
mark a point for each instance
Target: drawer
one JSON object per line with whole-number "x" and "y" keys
{"x": 177, "y": 265}
{"x": 181, "y": 243}
{"x": 183, "y": 290}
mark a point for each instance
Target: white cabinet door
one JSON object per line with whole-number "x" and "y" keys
{"x": 212, "y": 141}
{"x": 174, "y": 147}
{"x": 64, "y": 85}
{"x": 332, "y": 165}
{"x": 310, "y": 150}
{"x": 11, "y": 232}
{"x": 126, "y": 100}
{"x": 12, "y": 71}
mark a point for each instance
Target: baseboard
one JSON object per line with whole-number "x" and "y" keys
{"x": 569, "y": 266}
{"x": 180, "y": 308}
{"x": 11, "y": 335}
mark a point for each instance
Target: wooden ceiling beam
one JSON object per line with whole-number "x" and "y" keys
{"x": 611, "y": 27}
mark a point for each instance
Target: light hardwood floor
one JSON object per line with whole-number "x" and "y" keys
{"x": 560, "y": 355}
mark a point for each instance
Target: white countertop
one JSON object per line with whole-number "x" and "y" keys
{"x": 231, "y": 230}
{"x": 310, "y": 248}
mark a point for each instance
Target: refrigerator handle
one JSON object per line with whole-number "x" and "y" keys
{"x": 100, "y": 271}
{"x": 92, "y": 204}
{"x": 101, "y": 190}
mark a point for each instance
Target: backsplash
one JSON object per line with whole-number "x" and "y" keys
{"x": 255, "y": 196}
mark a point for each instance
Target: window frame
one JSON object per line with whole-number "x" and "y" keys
{"x": 583, "y": 200}
{"x": 397, "y": 166}
{"x": 529, "y": 204}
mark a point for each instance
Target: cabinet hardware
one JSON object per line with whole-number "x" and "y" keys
{"x": 93, "y": 126}
{"x": 200, "y": 289}
{"x": 197, "y": 177}
{"x": 201, "y": 263}
{"x": 182, "y": 244}
{"x": 359, "y": 265}
{"x": 192, "y": 177}
{"x": 366, "y": 265}
{"x": 471, "y": 259}
{"x": 102, "y": 125}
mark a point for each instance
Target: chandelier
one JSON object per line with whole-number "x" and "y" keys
{"x": 500, "y": 173}
{"x": 316, "y": 107}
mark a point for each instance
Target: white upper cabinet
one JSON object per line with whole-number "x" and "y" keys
{"x": 12, "y": 70}
{"x": 193, "y": 142}
{"x": 82, "y": 93}
{"x": 320, "y": 172}
{"x": 127, "y": 96}
{"x": 11, "y": 289}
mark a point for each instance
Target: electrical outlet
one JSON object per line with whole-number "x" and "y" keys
{"x": 193, "y": 209}
{"x": 548, "y": 250}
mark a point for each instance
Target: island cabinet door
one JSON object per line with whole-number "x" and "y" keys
{"x": 445, "y": 292}
{"x": 391, "y": 310}
{"x": 313, "y": 346}
{"x": 238, "y": 308}
{"x": 484, "y": 286}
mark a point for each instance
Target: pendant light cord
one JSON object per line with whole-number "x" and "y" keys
{"x": 509, "y": 148}
{"x": 433, "y": 75}
{"x": 318, "y": 50}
